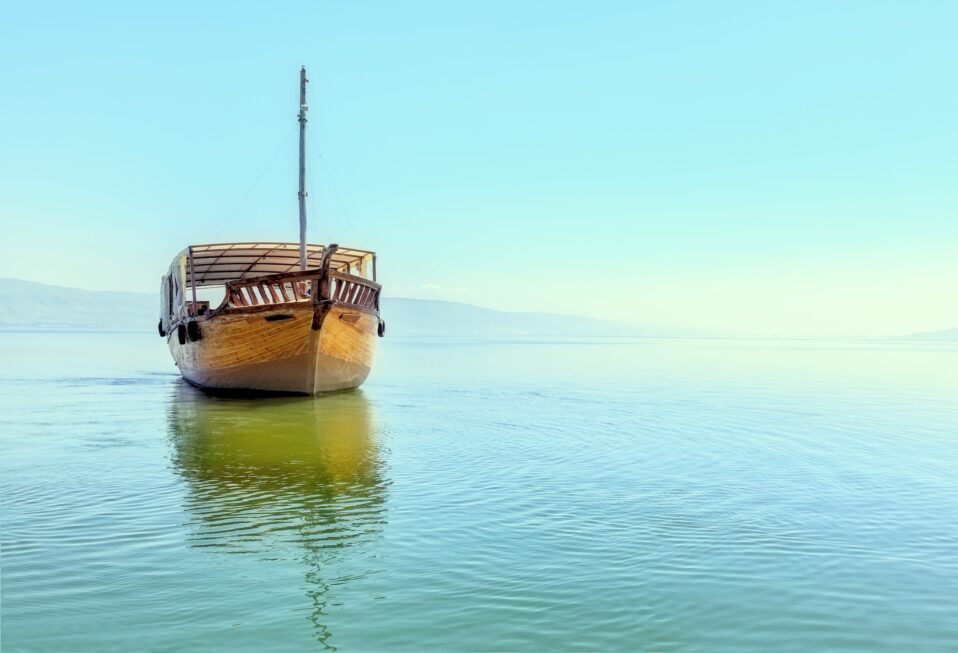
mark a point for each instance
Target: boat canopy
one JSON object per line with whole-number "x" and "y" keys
{"x": 218, "y": 263}
{"x": 201, "y": 266}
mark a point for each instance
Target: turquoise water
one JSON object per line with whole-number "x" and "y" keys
{"x": 615, "y": 495}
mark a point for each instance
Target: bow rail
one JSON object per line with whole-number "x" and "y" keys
{"x": 306, "y": 286}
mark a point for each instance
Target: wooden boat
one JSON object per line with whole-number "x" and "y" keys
{"x": 292, "y": 317}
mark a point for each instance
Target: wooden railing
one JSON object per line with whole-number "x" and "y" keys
{"x": 353, "y": 291}
{"x": 273, "y": 289}
{"x": 308, "y": 286}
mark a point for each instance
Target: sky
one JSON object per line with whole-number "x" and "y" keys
{"x": 747, "y": 168}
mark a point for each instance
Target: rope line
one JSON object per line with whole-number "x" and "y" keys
{"x": 332, "y": 183}
{"x": 256, "y": 181}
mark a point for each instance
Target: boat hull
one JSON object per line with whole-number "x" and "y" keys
{"x": 298, "y": 349}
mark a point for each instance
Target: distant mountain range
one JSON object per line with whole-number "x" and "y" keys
{"x": 30, "y": 305}
{"x": 424, "y": 317}
{"x": 947, "y": 334}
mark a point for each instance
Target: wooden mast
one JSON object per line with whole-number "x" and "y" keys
{"x": 302, "y": 167}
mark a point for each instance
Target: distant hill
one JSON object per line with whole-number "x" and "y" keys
{"x": 30, "y": 305}
{"x": 423, "y": 317}
{"x": 947, "y": 334}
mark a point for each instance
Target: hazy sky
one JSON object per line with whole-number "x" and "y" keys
{"x": 763, "y": 167}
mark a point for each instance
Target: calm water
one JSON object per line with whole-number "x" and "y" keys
{"x": 635, "y": 495}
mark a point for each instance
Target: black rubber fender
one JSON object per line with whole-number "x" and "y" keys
{"x": 193, "y": 331}
{"x": 159, "y": 327}
{"x": 181, "y": 334}
{"x": 382, "y": 328}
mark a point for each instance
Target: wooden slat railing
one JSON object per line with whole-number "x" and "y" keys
{"x": 273, "y": 289}
{"x": 307, "y": 286}
{"x": 353, "y": 291}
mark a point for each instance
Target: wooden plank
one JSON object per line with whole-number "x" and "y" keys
{"x": 273, "y": 293}
{"x": 355, "y": 279}
{"x": 223, "y": 272}
{"x": 261, "y": 287}
{"x": 363, "y": 294}
{"x": 354, "y": 294}
{"x": 265, "y": 308}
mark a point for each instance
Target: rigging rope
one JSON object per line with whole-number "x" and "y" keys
{"x": 255, "y": 181}
{"x": 332, "y": 183}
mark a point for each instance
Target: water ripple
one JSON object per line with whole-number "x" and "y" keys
{"x": 616, "y": 496}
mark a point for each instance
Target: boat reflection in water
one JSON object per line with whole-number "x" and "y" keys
{"x": 281, "y": 474}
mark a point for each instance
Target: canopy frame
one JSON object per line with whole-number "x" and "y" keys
{"x": 213, "y": 264}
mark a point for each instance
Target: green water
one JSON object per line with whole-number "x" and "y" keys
{"x": 632, "y": 495}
